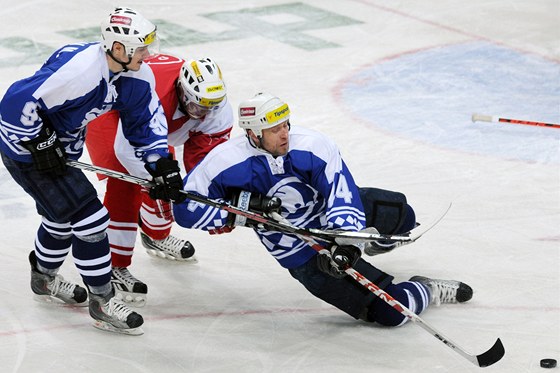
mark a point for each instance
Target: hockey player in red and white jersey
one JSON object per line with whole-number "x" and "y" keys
{"x": 199, "y": 117}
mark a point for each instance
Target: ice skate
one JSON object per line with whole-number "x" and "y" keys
{"x": 171, "y": 248}
{"x": 54, "y": 289}
{"x": 112, "y": 314}
{"x": 128, "y": 288}
{"x": 445, "y": 291}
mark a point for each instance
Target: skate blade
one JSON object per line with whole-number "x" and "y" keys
{"x": 49, "y": 299}
{"x": 103, "y": 325}
{"x": 131, "y": 299}
{"x": 161, "y": 255}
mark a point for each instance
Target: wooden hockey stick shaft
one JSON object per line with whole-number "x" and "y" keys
{"x": 494, "y": 354}
{"x": 496, "y": 119}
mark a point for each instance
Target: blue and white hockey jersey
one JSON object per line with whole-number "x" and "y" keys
{"x": 312, "y": 180}
{"x": 73, "y": 87}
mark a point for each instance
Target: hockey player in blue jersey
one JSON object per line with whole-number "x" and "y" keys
{"x": 43, "y": 123}
{"x": 300, "y": 174}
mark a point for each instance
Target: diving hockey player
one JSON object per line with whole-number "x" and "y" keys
{"x": 300, "y": 174}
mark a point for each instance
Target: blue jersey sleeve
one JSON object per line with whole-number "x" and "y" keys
{"x": 333, "y": 180}
{"x": 224, "y": 169}
{"x": 344, "y": 206}
{"x": 54, "y": 93}
{"x": 143, "y": 120}
{"x": 196, "y": 215}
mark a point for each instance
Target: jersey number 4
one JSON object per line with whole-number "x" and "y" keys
{"x": 342, "y": 190}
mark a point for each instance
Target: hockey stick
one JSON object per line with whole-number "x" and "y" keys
{"x": 487, "y": 358}
{"x": 495, "y": 119}
{"x": 264, "y": 222}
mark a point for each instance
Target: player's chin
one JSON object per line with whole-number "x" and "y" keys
{"x": 283, "y": 149}
{"x": 135, "y": 66}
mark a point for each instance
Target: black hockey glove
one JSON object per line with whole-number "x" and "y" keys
{"x": 340, "y": 258}
{"x": 167, "y": 176}
{"x": 47, "y": 152}
{"x": 254, "y": 202}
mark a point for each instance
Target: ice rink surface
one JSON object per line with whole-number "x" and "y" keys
{"x": 395, "y": 83}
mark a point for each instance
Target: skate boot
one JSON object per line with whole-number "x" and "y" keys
{"x": 112, "y": 314}
{"x": 445, "y": 291}
{"x": 54, "y": 289}
{"x": 128, "y": 288}
{"x": 171, "y": 248}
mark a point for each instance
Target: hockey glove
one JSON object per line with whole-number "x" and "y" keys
{"x": 221, "y": 230}
{"x": 340, "y": 258}
{"x": 254, "y": 202}
{"x": 166, "y": 174}
{"x": 162, "y": 209}
{"x": 47, "y": 152}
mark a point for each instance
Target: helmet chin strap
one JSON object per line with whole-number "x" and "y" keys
{"x": 179, "y": 92}
{"x": 123, "y": 64}
{"x": 258, "y": 145}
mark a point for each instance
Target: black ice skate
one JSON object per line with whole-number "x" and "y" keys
{"x": 171, "y": 248}
{"x": 128, "y": 288}
{"x": 55, "y": 289}
{"x": 112, "y": 314}
{"x": 445, "y": 291}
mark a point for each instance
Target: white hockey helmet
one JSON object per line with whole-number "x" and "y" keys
{"x": 130, "y": 28}
{"x": 202, "y": 86}
{"x": 262, "y": 111}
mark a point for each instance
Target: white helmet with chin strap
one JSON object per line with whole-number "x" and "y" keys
{"x": 128, "y": 27}
{"x": 201, "y": 86}
{"x": 261, "y": 112}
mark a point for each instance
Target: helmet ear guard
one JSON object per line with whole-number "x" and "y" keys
{"x": 261, "y": 112}
{"x": 129, "y": 28}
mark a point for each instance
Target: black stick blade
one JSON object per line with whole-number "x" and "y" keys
{"x": 494, "y": 354}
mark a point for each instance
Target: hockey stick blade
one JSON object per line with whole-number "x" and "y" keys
{"x": 263, "y": 221}
{"x": 493, "y": 355}
{"x": 350, "y": 238}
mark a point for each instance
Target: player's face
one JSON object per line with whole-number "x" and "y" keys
{"x": 197, "y": 111}
{"x": 194, "y": 110}
{"x": 276, "y": 140}
{"x": 137, "y": 58}
{"x": 119, "y": 53}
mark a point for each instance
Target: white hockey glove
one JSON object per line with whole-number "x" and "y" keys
{"x": 373, "y": 248}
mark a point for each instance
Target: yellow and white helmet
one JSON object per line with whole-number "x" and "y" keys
{"x": 202, "y": 86}
{"x": 262, "y": 111}
{"x": 130, "y": 28}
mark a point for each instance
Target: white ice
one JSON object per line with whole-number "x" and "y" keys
{"x": 395, "y": 87}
